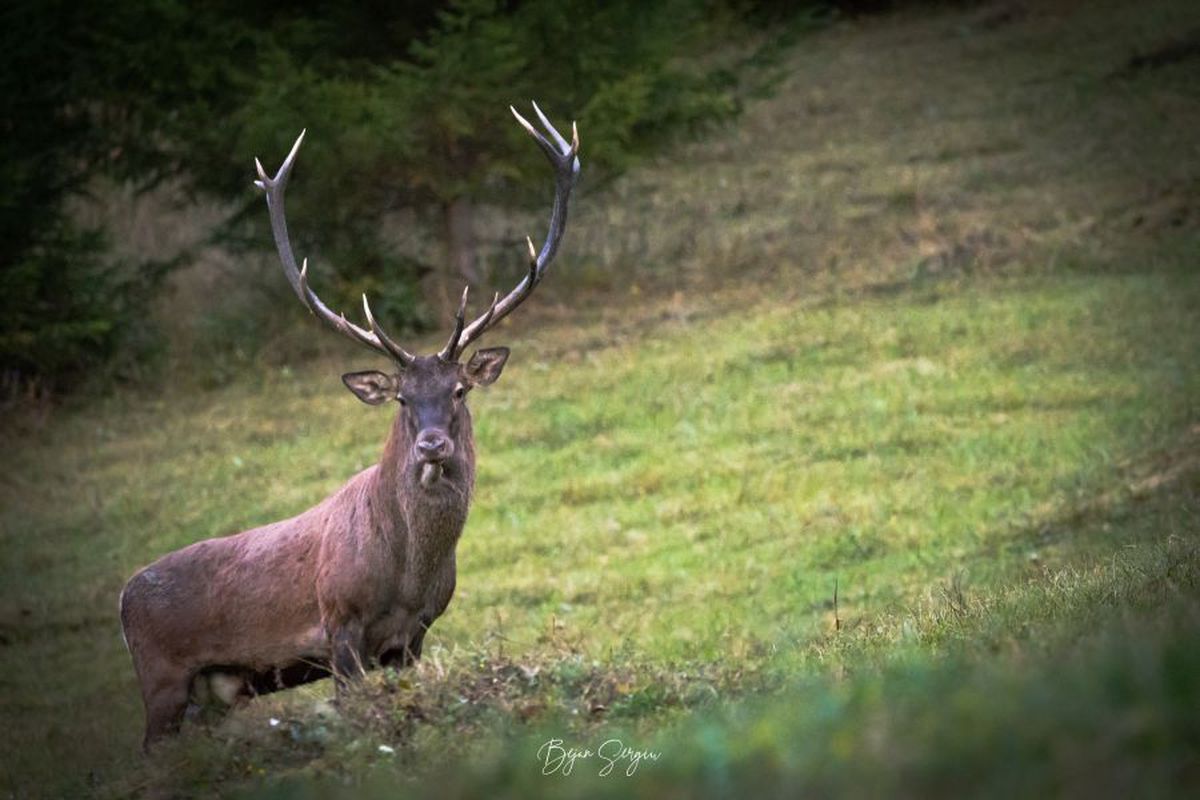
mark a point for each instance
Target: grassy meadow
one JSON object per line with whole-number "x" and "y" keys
{"x": 852, "y": 450}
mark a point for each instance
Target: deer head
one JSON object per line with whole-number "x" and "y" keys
{"x": 433, "y": 418}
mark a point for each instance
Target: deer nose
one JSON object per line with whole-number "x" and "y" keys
{"x": 434, "y": 446}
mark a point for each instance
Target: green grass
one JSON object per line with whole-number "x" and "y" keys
{"x": 875, "y": 471}
{"x": 658, "y": 525}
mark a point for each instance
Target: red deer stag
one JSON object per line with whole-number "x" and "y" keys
{"x": 358, "y": 579}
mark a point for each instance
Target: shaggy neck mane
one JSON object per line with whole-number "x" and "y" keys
{"x": 435, "y": 511}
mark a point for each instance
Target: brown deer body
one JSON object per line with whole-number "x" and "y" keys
{"x": 358, "y": 579}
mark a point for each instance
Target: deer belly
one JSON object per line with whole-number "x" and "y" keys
{"x": 305, "y": 660}
{"x": 268, "y": 653}
{"x": 297, "y": 673}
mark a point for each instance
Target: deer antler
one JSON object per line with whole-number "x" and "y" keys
{"x": 374, "y": 338}
{"x": 564, "y": 158}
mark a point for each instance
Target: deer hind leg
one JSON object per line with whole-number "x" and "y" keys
{"x": 165, "y": 695}
{"x": 166, "y": 689}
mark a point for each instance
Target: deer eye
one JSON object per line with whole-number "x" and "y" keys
{"x": 460, "y": 392}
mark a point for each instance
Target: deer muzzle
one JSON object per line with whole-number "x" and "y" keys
{"x": 434, "y": 446}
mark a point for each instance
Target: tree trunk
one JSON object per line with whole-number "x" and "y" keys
{"x": 461, "y": 267}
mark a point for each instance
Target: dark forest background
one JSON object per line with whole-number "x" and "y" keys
{"x": 406, "y": 102}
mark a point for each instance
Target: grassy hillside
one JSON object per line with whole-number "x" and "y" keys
{"x": 856, "y": 449}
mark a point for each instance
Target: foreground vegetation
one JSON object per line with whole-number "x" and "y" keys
{"x": 923, "y": 521}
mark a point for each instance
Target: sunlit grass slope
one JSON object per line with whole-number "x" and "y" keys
{"x": 696, "y": 495}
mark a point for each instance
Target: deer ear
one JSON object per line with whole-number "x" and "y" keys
{"x": 486, "y": 365}
{"x": 371, "y": 387}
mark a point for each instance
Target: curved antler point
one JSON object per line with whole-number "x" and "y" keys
{"x": 451, "y": 351}
{"x": 291, "y": 156}
{"x": 376, "y": 339}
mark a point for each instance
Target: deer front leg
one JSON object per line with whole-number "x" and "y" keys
{"x": 348, "y": 657}
{"x": 410, "y": 652}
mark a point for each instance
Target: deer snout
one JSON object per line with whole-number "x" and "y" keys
{"x": 434, "y": 446}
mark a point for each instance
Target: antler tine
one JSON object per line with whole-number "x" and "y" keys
{"x": 395, "y": 350}
{"x": 535, "y": 270}
{"x": 547, "y": 148}
{"x": 559, "y": 140}
{"x": 274, "y": 188}
{"x": 483, "y": 320}
{"x": 491, "y": 309}
{"x": 564, "y": 158}
{"x": 337, "y": 321}
{"x": 450, "y": 351}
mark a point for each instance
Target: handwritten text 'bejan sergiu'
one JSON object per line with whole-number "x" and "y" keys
{"x": 556, "y": 758}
